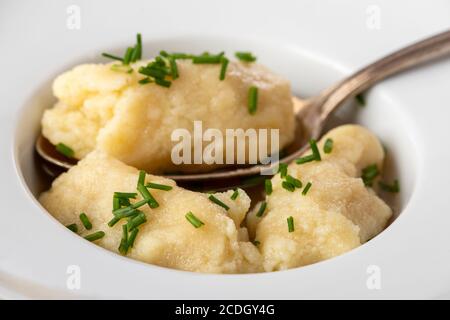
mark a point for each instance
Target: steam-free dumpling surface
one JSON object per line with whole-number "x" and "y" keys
{"x": 99, "y": 107}
{"x": 337, "y": 214}
{"x": 167, "y": 238}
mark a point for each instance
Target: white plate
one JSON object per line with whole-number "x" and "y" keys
{"x": 313, "y": 43}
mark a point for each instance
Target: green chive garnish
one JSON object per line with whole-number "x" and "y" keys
{"x": 261, "y": 209}
{"x": 315, "y": 156}
{"x": 369, "y": 173}
{"x": 193, "y": 220}
{"x": 295, "y": 182}
{"x": 223, "y": 68}
{"x": 394, "y": 187}
{"x": 218, "y": 202}
{"x": 158, "y": 186}
{"x": 252, "y": 99}
{"x": 85, "y": 220}
{"x": 314, "y": 149}
{"x": 139, "y": 46}
{"x": 121, "y": 68}
{"x": 145, "y": 81}
{"x": 328, "y": 146}
{"x": 290, "y": 222}
{"x": 126, "y": 195}
{"x": 152, "y": 203}
{"x": 306, "y": 189}
{"x": 173, "y": 68}
{"x": 65, "y": 150}
{"x": 282, "y": 169}
{"x": 95, "y": 236}
{"x": 256, "y": 243}
{"x": 136, "y": 221}
{"x": 268, "y": 186}
{"x": 132, "y": 237}
{"x": 73, "y": 227}
{"x": 208, "y": 58}
{"x": 141, "y": 179}
{"x": 162, "y": 82}
{"x": 305, "y": 159}
{"x": 123, "y": 247}
{"x": 127, "y": 56}
{"x": 110, "y": 56}
{"x": 235, "y": 194}
{"x": 360, "y": 99}
{"x": 245, "y": 56}
{"x": 288, "y": 186}
{"x": 116, "y": 203}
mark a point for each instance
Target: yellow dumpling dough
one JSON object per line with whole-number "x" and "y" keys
{"x": 99, "y": 107}
{"x": 167, "y": 238}
{"x": 337, "y": 214}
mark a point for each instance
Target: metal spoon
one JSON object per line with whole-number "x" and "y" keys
{"x": 311, "y": 114}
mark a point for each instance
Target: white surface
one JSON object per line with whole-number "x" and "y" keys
{"x": 314, "y": 43}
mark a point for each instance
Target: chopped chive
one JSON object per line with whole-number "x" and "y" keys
{"x": 261, "y": 209}
{"x": 288, "y": 186}
{"x": 197, "y": 223}
{"x": 162, "y": 82}
{"x": 256, "y": 243}
{"x": 290, "y": 222}
{"x": 305, "y": 159}
{"x": 208, "y": 58}
{"x": 268, "y": 186}
{"x": 132, "y": 237}
{"x": 223, "y": 68}
{"x": 173, "y": 68}
{"x": 245, "y": 56}
{"x": 145, "y": 81}
{"x": 218, "y": 202}
{"x": 95, "y": 236}
{"x": 179, "y": 55}
{"x": 65, "y": 150}
{"x": 394, "y": 187}
{"x": 235, "y": 194}
{"x": 141, "y": 179}
{"x": 295, "y": 182}
{"x": 136, "y": 221}
{"x": 110, "y": 56}
{"x": 127, "y": 56}
{"x": 360, "y": 99}
{"x": 328, "y": 146}
{"x": 314, "y": 149}
{"x": 158, "y": 186}
{"x": 152, "y": 203}
{"x": 123, "y": 247}
{"x": 306, "y": 189}
{"x": 124, "y": 202}
{"x": 116, "y": 203}
{"x": 125, "y": 212}
{"x": 369, "y": 173}
{"x": 139, "y": 46}
{"x": 85, "y": 220}
{"x": 113, "y": 221}
{"x": 72, "y": 227}
{"x": 282, "y": 169}
{"x": 127, "y": 195}
{"x": 139, "y": 204}
{"x": 252, "y": 99}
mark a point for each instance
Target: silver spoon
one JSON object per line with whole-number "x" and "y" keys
{"x": 312, "y": 113}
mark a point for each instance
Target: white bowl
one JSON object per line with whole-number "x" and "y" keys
{"x": 411, "y": 255}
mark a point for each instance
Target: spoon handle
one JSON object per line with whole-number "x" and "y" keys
{"x": 408, "y": 57}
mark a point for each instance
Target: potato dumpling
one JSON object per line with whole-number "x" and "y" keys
{"x": 109, "y": 110}
{"x": 337, "y": 214}
{"x": 167, "y": 238}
